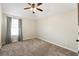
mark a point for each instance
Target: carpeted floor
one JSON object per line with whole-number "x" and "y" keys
{"x": 34, "y": 47}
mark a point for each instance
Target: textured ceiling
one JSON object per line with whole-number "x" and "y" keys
{"x": 17, "y": 9}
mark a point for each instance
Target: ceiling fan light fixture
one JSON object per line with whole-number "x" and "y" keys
{"x": 33, "y": 7}
{"x": 33, "y": 10}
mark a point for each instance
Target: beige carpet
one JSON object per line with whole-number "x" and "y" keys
{"x": 34, "y": 47}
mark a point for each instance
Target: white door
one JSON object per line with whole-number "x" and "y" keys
{"x": 78, "y": 41}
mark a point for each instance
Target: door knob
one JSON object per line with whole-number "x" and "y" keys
{"x": 77, "y": 40}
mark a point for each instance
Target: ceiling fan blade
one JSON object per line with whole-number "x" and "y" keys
{"x": 27, "y": 8}
{"x": 39, "y": 9}
{"x": 29, "y": 3}
{"x": 39, "y": 4}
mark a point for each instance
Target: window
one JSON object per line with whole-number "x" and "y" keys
{"x": 14, "y": 27}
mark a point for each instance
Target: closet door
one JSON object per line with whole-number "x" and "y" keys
{"x": 78, "y": 29}
{"x": 78, "y": 40}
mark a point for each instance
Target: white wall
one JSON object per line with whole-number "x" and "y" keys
{"x": 0, "y": 24}
{"x": 29, "y": 28}
{"x": 3, "y": 28}
{"x": 60, "y": 29}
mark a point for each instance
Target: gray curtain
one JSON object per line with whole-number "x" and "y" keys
{"x": 8, "y": 35}
{"x": 20, "y": 38}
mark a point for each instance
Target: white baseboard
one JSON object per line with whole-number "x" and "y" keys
{"x": 58, "y": 45}
{"x": 29, "y": 38}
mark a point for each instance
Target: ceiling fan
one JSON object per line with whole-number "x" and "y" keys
{"x": 34, "y": 7}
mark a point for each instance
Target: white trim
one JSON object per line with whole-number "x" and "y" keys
{"x": 0, "y": 23}
{"x": 58, "y": 45}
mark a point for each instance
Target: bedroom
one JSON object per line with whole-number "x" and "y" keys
{"x": 53, "y": 29}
